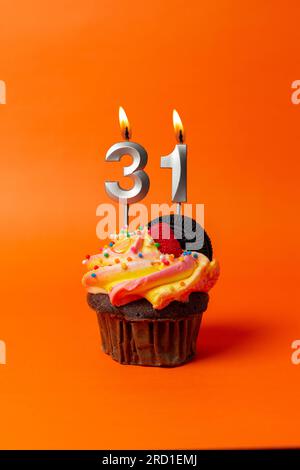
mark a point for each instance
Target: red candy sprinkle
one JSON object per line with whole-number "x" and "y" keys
{"x": 96, "y": 267}
{"x": 88, "y": 256}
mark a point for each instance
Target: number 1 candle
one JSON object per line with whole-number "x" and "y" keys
{"x": 177, "y": 160}
{"x": 134, "y": 170}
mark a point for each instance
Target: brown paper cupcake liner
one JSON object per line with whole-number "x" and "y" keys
{"x": 158, "y": 342}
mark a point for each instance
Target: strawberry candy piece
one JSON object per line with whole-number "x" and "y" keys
{"x": 164, "y": 235}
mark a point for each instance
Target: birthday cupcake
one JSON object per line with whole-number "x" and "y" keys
{"x": 149, "y": 295}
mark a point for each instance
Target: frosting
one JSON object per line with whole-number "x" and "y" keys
{"x": 131, "y": 267}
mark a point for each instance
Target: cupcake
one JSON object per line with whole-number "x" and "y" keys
{"x": 149, "y": 297}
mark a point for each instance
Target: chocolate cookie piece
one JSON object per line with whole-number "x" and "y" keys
{"x": 142, "y": 309}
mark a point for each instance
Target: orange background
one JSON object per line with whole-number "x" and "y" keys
{"x": 227, "y": 66}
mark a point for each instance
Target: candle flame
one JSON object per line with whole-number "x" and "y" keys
{"x": 178, "y": 127}
{"x": 124, "y": 124}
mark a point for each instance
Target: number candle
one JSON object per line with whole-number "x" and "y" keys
{"x": 134, "y": 170}
{"x": 178, "y": 162}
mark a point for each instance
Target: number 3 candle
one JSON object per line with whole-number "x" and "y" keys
{"x": 134, "y": 170}
{"x": 177, "y": 160}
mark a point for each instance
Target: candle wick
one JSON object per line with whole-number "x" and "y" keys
{"x": 127, "y": 133}
{"x": 180, "y": 136}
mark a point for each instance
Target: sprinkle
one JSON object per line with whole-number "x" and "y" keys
{"x": 106, "y": 254}
{"x": 105, "y": 246}
{"x": 94, "y": 275}
{"x": 96, "y": 267}
{"x": 117, "y": 260}
{"x": 182, "y": 283}
{"x": 181, "y": 258}
{"x": 124, "y": 266}
{"x": 128, "y": 235}
{"x": 88, "y": 256}
{"x": 129, "y": 258}
{"x": 164, "y": 260}
{"x": 157, "y": 244}
{"x": 111, "y": 244}
{"x": 195, "y": 255}
{"x": 141, "y": 227}
{"x": 84, "y": 261}
{"x": 140, "y": 255}
{"x": 133, "y": 249}
{"x": 138, "y": 232}
{"x": 186, "y": 253}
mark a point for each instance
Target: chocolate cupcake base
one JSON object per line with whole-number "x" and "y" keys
{"x": 138, "y": 334}
{"x": 164, "y": 342}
